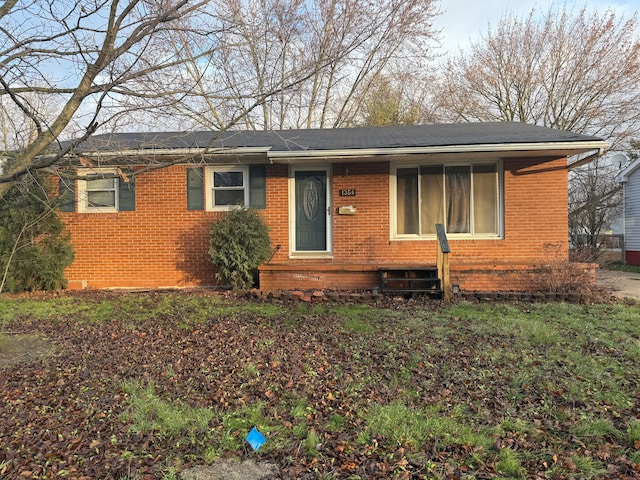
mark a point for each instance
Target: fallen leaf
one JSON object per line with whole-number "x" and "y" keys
{"x": 348, "y": 466}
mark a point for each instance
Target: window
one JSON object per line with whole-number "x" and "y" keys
{"x": 104, "y": 191}
{"x": 465, "y": 198}
{"x": 224, "y": 187}
{"x": 101, "y": 193}
{"x": 229, "y": 188}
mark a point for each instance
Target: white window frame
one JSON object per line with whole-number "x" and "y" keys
{"x": 209, "y": 188}
{"x": 83, "y": 191}
{"x": 394, "y": 235}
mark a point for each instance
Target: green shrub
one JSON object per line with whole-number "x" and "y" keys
{"x": 34, "y": 248}
{"x": 239, "y": 244}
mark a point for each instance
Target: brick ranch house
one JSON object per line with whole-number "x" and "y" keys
{"x": 341, "y": 203}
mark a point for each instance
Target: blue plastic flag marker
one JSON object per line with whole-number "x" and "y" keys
{"x": 255, "y": 439}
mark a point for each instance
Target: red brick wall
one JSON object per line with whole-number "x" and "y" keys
{"x": 535, "y": 198}
{"x": 161, "y": 243}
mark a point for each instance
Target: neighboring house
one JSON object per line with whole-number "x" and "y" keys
{"x": 340, "y": 203}
{"x": 630, "y": 179}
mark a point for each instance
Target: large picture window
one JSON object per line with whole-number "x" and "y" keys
{"x": 465, "y": 198}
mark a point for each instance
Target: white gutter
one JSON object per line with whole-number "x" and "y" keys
{"x": 175, "y": 151}
{"x": 361, "y": 152}
{"x": 490, "y": 147}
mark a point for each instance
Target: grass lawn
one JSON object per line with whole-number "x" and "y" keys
{"x": 622, "y": 267}
{"x": 142, "y": 386}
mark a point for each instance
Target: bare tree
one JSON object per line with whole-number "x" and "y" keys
{"x": 388, "y": 36}
{"x": 571, "y": 71}
{"x": 76, "y": 57}
{"x": 578, "y": 72}
{"x": 311, "y": 61}
{"x": 102, "y": 66}
{"x": 595, "y": 201}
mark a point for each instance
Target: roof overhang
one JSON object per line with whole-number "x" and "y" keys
{"x": 178, "y": 155}
{"x": 558, "y": 147}
{"x": 623, "y": 176}
{"x": 266, "y": 154}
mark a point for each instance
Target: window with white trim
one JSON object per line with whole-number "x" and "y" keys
{"x": 105, "y": 190}
{"x": 227, "y": 187}
{"x": 465, "y": 198}
{"x": 101, "y": 193}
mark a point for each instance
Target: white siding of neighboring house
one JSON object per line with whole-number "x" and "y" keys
{"x": 632, "y": 212}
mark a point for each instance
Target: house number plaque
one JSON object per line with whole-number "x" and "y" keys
{"x": 348, "y": 192}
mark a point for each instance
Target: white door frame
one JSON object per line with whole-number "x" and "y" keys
{"x": 292, "y": 212}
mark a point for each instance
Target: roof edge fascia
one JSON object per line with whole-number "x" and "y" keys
{"x": 623, "y": 176}
{"x": 489, "y": 147}
{"x": 580, "y": 146}
{"x": 189, "y": 151}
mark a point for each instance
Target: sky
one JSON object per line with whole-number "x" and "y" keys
{"x": 465, "y": 20}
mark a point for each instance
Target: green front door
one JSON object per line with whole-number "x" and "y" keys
{"x": 311, "y": 210}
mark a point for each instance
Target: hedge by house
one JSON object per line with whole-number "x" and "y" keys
{"x": 239, "y": 244}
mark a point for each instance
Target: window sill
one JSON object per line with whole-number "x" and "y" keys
{"x": 450, "y": 236}
{"x": 310, "y": 255}
{"x": 224, "y": 209}
{"x": 98, "y": 210}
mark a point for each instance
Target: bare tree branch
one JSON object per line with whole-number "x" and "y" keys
{"x": 572, "y": 71}
{"x": 105, "y": 65}
{"x": 262, "y": 46}
{"x": 91, "y": 49}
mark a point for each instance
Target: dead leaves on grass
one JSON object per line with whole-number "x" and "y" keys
{"x": 64, "y": 415}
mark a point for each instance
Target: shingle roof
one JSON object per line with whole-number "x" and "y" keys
{"x": 438, "y": 135}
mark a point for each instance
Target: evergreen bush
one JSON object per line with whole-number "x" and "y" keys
{"x": 34, "y": 248}
{"x": 239, "y": 244}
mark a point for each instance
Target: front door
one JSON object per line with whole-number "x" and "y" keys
{"x": 310, "y": 211}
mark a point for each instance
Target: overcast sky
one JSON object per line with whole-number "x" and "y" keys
{"x": 465, "y": 20}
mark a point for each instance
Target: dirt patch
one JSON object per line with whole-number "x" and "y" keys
{"x": 233, "y": 470}
{"x": 21, "y": 348}
{"x": 622, "y": 284}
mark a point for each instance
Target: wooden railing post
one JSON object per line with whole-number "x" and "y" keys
{"x": 442, "y": 261}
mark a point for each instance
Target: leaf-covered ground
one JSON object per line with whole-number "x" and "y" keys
{"x": 144, "y": 386}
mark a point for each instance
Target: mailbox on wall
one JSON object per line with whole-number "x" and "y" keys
{"x": 347, "y": 210}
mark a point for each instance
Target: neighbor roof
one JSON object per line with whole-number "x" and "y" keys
{"x": 624, "y": 175}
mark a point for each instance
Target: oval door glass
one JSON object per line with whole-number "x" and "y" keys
{"x": 310, "y": 210}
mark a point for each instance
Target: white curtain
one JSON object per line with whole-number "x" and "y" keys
{"x": 432, "y": 199}
{"x": 458, "y": 193}
{"x": 485, "y": 199}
